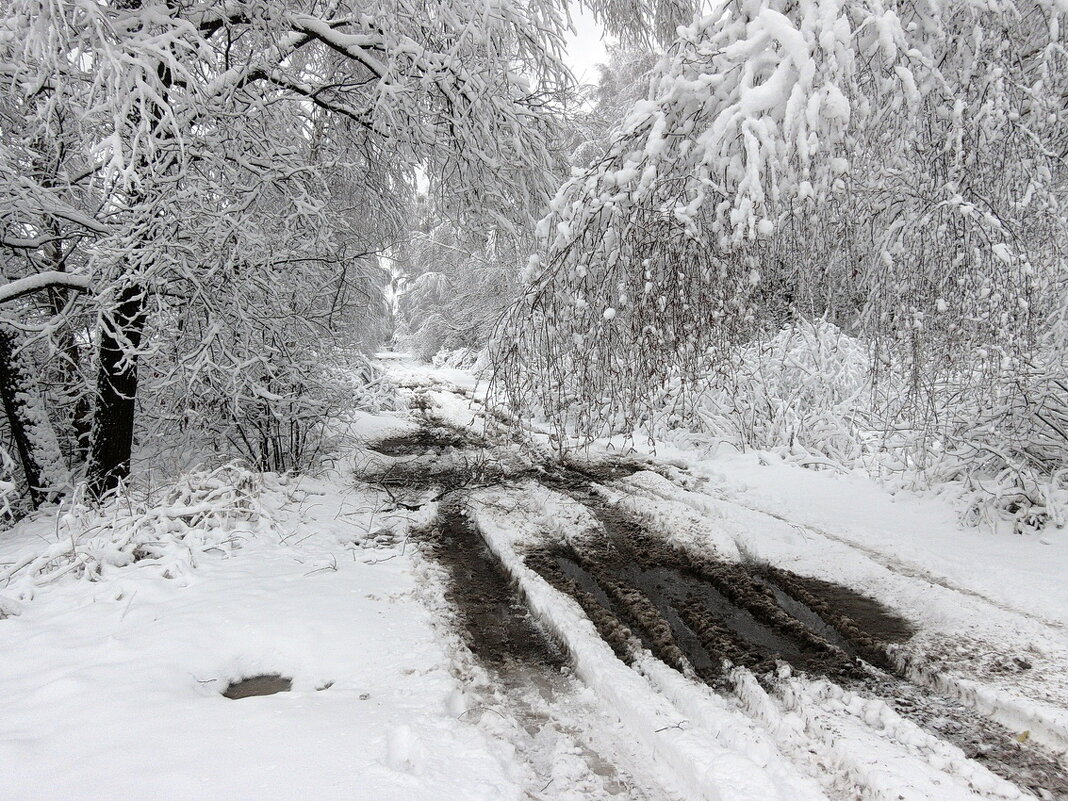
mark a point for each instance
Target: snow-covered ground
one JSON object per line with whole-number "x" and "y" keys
{"x": 119, "y": 643}
{"x": 111, "y": 688}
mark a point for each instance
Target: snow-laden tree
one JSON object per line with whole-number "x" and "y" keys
{"x": 282, "y": 271}
{"x": 459, "y": 281}
{"x": 40, "y": 236}
{"x": 622, "y": 81}
{"x": 456, "y": 288}
{"x": 895, "y": 167}
{"x": 232, "y": 167}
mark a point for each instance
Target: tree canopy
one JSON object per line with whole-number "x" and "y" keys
{"x": 895, "y": 167}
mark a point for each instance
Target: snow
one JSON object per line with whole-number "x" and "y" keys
{"x": 112, "y": 686}
{"x": 919, "y": 534}
{"x": 115, "y": 663}
{"x": 33, "y": 283}
{"x": 1001, "y": 250}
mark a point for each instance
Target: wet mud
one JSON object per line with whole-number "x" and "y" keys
{"x": 495, "y": 622}
{"x": 424, "y": 441}
{"x": 449, "y": 460}
{"x": 528, "y": 665}
{"x": 267, "y": 684}
{"x": 699, "y": 615}
{"x": 704, "y": 617}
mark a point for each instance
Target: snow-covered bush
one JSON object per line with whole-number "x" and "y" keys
{"x": 281, "y": 412}
{"x": 892, "y": 168}
{"x": 1010, "y": 456}
{"x": 462, "y": 358}
{"x": 809, "y": 395}
{"x": 167, "y": 529}
{"x": 364, "y": 381}
{"x": 806, "y": 389}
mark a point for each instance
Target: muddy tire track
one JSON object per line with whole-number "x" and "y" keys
{"x": 898, "y": 566}
{"x": 701, "y": 616}
{"x": 495, "y": 623}
{"x": 704, "y": 618}
{"x": 531, "y": 696}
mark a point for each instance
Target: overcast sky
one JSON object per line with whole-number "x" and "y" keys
{"x": 585, "y": 49}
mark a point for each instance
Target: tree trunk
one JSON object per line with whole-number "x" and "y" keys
{"x": 31, "y": 430}
{"x": 113, "y": 421}
{"x": 73, "y": 385}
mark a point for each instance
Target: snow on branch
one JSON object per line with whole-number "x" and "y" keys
{"x": 34, "y": 283}
{"x": 862, "y": 162}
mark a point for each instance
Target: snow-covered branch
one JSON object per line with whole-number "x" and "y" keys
{"x": 35, "y": 283}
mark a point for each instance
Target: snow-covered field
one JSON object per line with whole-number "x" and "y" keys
{"x": 118, "y": 646}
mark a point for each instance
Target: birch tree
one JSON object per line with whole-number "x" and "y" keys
{"x": 895, "y": 167}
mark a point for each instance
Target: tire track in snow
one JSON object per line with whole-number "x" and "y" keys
{"x": 858, "y": 765}
{"x": 1015, "y": 713}
{"x": 892, "y": 564}
{"x": 517, "y": 685}
{"x": 716, "y": 761}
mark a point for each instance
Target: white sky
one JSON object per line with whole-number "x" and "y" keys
{"x": 585, "y": 49}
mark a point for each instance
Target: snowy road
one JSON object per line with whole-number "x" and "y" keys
{"x": 749, "y": 654}
{"x": 460, "y": 618}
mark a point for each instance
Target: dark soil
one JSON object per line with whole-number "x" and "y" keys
{"x": 453, "y": 460}
{"x": 845, "y": 608}
{"x": 267, "y": 684}
{"x": 697, "y": 614}
{"x": 427, "y": 440}
{"x": 495, "y": 622}
{"x": 578, "y": 474}
{"x": 703, "y": 616}
{"x": 700, "y": 615}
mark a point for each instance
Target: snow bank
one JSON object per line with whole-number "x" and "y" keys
{"x": 168, "y": 529}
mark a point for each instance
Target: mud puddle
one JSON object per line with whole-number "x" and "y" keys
{"x": 702, "y": 617}
{"x": 267, "y": 684}
{"x": 698, "y": 615}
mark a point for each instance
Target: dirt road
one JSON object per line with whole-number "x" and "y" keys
{"x": 811, "y": 683}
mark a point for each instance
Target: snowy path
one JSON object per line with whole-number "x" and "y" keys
{"x": 972, "y": 706}
{"x": 462, "y": 620}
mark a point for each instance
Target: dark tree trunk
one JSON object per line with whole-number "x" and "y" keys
{"x": 53, "y": 256}
{"x": 113, "y": 421}
{"x": 74, "y": 387}
{"x": 111, "y": 440}
{"x": 25, "y": 417}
